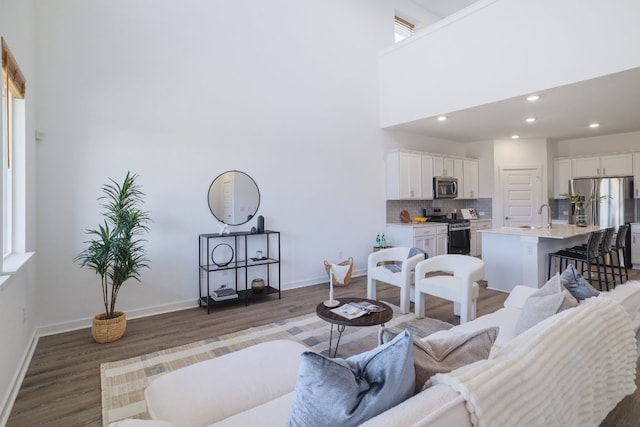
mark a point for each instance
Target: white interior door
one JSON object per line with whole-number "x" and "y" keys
{"x": 521, "y": 195}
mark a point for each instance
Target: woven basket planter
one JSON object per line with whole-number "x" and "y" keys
{"x": 347, "y": 279}
{"x": 109, "y": 330}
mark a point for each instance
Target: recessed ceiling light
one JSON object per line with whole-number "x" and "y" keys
{"x": 594, "y": 125}
{"x": 442, "y": 118}
{"x": 530, "y": 119}
{"x": 515, "y": 136}
{"x": 533, "y": 97}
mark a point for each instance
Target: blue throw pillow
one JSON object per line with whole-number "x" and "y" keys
{"x": 573, "y": 281}
{"x": 347, "y": 392}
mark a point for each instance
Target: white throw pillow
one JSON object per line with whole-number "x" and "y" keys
{"x": 550, "y": 299}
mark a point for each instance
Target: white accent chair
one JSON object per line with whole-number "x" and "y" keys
{"x": 402, "y": 278}
{"x": 461, "y": 288}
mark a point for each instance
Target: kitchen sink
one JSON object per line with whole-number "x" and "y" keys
{"x": 530, "y": 227}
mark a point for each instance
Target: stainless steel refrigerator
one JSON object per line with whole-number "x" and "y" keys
{"x": 612, "y": 211}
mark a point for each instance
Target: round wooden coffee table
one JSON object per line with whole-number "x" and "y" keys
{"x": 371, "y": 319}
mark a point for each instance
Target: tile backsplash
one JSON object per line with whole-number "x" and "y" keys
{"x": 414, "y": 207}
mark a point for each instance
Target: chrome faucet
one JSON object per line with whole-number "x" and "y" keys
{"x": 548, "y": 214}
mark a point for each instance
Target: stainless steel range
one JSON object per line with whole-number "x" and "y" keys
{"x": 459, "y": 234}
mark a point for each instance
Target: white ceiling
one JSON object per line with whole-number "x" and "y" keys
{"x": 565, "y": 112}
{"x": 443, "y": 8}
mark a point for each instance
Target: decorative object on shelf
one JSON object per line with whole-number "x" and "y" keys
{"x": 257, "y": 285}
{"x": 260, "y": 224}
{"x": 116, "y": 252}
{"x": 341, "y": 280}
{"x": 222, "y": 254}
{"x": 245, "y": 198}
{"x": 223, "y": 293}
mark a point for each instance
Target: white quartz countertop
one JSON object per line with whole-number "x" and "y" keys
{"x": 417, "y": 224}
{"x": 558, "y": 231}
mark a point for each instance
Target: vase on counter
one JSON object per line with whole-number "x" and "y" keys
{"x": 581, "y": 218}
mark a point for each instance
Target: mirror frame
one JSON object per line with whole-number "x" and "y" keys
{"x": 214, "y": 190}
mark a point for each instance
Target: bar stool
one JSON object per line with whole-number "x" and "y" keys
{"x": 618, "y": 247}
{"x": 586, "y": 258}
{"x": 605, "y": 251}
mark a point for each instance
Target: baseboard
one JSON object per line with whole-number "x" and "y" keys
{"x": 321, "y": 279}
{"x": 7, "y": 405}
{"x": 74, "y": 325}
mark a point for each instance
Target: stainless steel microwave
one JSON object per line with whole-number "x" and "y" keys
{"x": 445, "y": 187}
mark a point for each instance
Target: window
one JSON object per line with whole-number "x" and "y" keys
{"x": 403, "y": 29}
{"x": 13, "y": 140}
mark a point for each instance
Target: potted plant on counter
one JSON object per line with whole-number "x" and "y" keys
{"x": 578, "y": 205}
{"x": 116, "y": 252}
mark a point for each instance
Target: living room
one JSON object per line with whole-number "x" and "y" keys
{"x": 179, "y": 92}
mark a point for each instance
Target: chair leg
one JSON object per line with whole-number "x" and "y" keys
{"x": 419, "y": 304}
{"x": 405, "y": 303}
{"x": 371, "y": 288}
{"x": 467, "y": 311}
{"x": 624, "y": 259}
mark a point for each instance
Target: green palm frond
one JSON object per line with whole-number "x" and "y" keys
{"x": 115, "y": 251}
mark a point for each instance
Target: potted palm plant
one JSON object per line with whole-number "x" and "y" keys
{"x": 116, "y": 251}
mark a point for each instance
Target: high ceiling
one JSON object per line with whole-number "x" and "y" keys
{"x": 565, "y": 112}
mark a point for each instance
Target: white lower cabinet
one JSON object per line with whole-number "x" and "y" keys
{"x": 432, "y": 238}
{"x": 635, "y": 245}
{"x": 476, "y": 238}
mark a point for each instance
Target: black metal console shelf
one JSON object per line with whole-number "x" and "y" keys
{"x": 237, "y": 259}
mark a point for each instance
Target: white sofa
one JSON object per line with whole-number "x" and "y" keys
{"x": 237, "y": 389}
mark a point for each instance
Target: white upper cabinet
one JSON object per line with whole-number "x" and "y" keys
{"x": 409, "y": 175}
{"x": 612, "y": 165}
{"x": 616, "y": 165}
{"x": 470, "y": 179}
{"x": 403, "y": 175}
{"x": 443, "y": 166}
{"x": 458, "y": 173}
{"x": 561, "y": 177}
{"x": 585, "y": 167}
{"x": 427, "y": 177}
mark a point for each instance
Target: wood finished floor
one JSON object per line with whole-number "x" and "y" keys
{"x": 62, "y": 384}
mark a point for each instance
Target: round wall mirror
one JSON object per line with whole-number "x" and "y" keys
{"x": 234, "y": 197}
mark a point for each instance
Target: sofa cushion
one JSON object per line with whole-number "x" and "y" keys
{"x": 270, "y": 414}
{"x": 550, "y": 299}
{"x": 444, "y": 353}
{"x": 573, "y": 281}
{"x": 437, "y": 406}
{"x": 225, "y": 385}
{"x": 518, "y": 296}
{"x": 349, "y": 392}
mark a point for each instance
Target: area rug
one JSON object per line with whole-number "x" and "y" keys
{"x": 124, "y": 381}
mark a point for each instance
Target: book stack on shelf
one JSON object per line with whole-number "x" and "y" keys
{"x": 223, "y": 293}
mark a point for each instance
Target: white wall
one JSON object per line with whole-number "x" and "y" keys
{"x": 180, "y": 95}
{"x": 17, "y": 291}
{"x": 605, "y": 144}
{"x": 489, "y": 54}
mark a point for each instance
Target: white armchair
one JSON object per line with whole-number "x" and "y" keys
{"x": 461, "y": 288}
{"x": 397, "y": 275}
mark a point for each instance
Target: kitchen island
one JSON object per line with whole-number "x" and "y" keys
{"x": 519, "y": 256}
